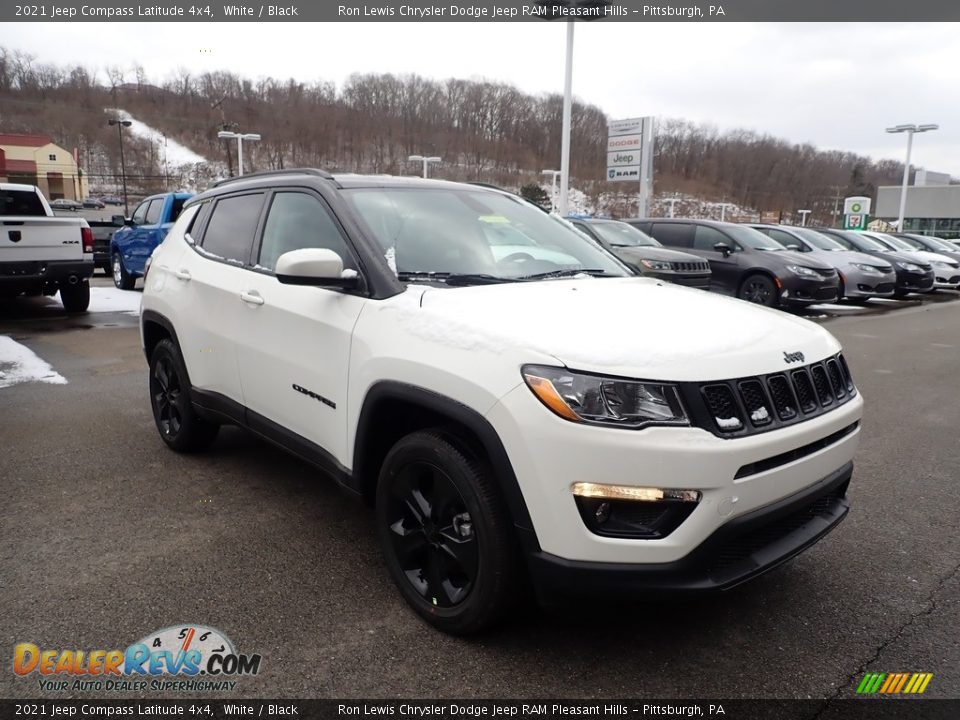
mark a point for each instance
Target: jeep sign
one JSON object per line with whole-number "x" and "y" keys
{"x": 621, "y": 158}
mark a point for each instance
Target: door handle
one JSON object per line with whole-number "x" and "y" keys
{"x": 251, "y": 298}
{"x": 182, "y": 274}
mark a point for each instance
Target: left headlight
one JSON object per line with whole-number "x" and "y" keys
{"x": 656, "y": 265}
{"x": 803, "y": 271}
{"x": 599, "y": 400}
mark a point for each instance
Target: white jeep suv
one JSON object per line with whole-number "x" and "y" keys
{"x": 519, "y": 410}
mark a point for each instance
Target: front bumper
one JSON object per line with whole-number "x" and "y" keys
{"x": 908, "y": 281}
{"x": 735, "y": 476}
{"x": 795, "y": 290}
{"x": 946, "y": 279}
{"x": 740, "y": 550}
{"x": 859, "y": 284}
{"x": 694, "y": 280}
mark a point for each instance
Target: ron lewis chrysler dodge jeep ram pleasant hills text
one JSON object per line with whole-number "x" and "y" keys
{"x": 519, "y": 409}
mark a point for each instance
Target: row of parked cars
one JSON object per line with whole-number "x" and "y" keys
{"x": 778, "y": 265}
{"x": 95, "y": 203}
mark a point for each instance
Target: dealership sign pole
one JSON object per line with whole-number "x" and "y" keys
{"x": 630, "y": 156}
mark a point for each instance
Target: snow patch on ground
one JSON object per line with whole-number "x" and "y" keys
{"x": 19, "y": 364}
{"x": 177, "y": 155}
{"x": 108, "y": 299}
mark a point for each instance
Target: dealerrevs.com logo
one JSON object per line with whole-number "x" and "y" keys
{"x": 188, "y": 658}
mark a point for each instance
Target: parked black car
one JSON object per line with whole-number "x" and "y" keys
{"x": 746, "y": 263}
{"x": 113, "y": 200}
{"x": 95, "y": 203}
{"x": 913, "y": 274}
{"x": 645, "y": 255}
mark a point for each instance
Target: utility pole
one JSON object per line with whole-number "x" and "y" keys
{"x": 673, "y": 201}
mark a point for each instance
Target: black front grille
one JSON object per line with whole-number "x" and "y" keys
{"x": 755, "y": 404}
{"x": 885, "y": 288}
{"x": 826, "y": 272}
{"x": 805, "y": 393}
{"x": 723, "y": 407}
{"x": 690, "y": 267}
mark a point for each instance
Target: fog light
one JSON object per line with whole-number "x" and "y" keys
{"x": 625, "y": 511}
{"x": 602, "y": 512}
{"x": 629, "y": 492}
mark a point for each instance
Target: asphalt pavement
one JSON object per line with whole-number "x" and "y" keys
{"x": 105, "y": 535}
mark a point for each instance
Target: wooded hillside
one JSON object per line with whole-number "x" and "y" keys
{"x": 484, "y": 131}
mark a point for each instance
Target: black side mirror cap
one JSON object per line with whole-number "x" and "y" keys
{"x": 721, "y": 247}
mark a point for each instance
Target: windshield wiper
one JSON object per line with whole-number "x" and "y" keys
{"x": 452, "y": 279}
{"x": 563, "y": 273}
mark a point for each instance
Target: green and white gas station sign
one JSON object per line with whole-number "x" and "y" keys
{"x": 856, "y": 213}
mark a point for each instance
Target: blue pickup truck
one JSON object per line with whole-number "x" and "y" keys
{"x": 132, "y": 244}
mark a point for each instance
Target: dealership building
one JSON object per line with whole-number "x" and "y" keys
{"x": 933, "y": 205}
{"x": 37, "y": 160}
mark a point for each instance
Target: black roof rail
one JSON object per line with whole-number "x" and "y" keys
{"x": 285, "y": 171}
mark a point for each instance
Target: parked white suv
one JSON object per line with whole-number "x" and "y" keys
{"x": 542, "y": 414}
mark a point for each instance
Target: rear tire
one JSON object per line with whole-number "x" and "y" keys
{"x": 446, "y": 533}
{"x": 121, "y": 278}
{"x": 759, "y": 289}
{"x": 75, "y": 298}
{"x": 177, "y": 422}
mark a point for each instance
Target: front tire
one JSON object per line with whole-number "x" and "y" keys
{"x": 75, "y": 298}
{"x": 759, "y": 289}
{"x": 177, "y": 422}
{"x": 121, "y": 278}
{"x": 446, "y": 533}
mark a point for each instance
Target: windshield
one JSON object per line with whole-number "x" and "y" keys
{"x": 751, "y": 238}
{"x": 819, "y": 240}
{"x": 896, "y": 242}
{"x": 865, "y": 241}
{"x": 938, "y": 244}
{"x": 471, "y": 232}
{"x": 620, "y": 234}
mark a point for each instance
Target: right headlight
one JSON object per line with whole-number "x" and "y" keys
{"x": 656, "y": 265}
{"x": 910, "y": 266}
{"x": 599, "y": 400}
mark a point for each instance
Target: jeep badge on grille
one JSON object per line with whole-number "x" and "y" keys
{"x": 792, "y": 357}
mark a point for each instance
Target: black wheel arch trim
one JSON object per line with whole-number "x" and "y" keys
{"x": 496, "y": 454}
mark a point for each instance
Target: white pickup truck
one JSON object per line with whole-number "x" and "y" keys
{"x": 40, "y": 253}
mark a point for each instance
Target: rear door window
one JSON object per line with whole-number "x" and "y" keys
{"x": 230, "y": 231}
{"x": 673, "y": 234}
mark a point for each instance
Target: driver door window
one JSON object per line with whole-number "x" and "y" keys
{"x": 140, "y": 214}
{"x": 296, "y": 221}
{"x": 706, "y": 237}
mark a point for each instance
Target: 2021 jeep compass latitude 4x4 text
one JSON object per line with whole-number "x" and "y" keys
{"x": 509, "y": 398}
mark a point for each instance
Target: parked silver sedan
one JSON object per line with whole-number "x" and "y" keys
{"x": 862, "y": 276}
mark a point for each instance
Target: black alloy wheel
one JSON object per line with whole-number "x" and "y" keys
{"x": 446, "y": 533}
{"x": 759, "y": 289}
{"x": 177, "y": 421}
{"x": 432, "y": 534}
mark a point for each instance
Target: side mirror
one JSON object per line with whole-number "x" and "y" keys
{"x": 721, "y": 247}
{"x": 118, "y": 220}
{"x": 318, "y": 267}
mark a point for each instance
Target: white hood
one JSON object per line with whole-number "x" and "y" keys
{"x": 633, "y": 327}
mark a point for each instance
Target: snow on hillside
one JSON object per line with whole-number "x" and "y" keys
{"x": 177, "y": 155}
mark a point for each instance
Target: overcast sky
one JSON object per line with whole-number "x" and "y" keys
{"x": 834, "y": 85}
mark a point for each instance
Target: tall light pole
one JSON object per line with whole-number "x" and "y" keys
{"x": 803, "y": 217}
{"x": 239, "y": 137}
{"x": 723, "y": 210}
{"x": 910, "y": 130}
{"x": 425, "y": 160}
{"x": 565, "y": 130}
{"x": 121, "y": 124}
{"x": 553, "y": 192}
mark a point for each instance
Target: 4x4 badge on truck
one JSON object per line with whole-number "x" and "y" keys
{"x": 793, "y": 357}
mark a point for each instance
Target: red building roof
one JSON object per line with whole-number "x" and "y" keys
{"x": 24, "y": 140}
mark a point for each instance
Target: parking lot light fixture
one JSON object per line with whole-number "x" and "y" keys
{"x": 803, "y": 217}
{"x": 426, "y": 160}
{"x": 121, "y": 124}
{"x": 239, "y": 137}
{"x": 554, "y": 174}
{"x": 910, "y": 130}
